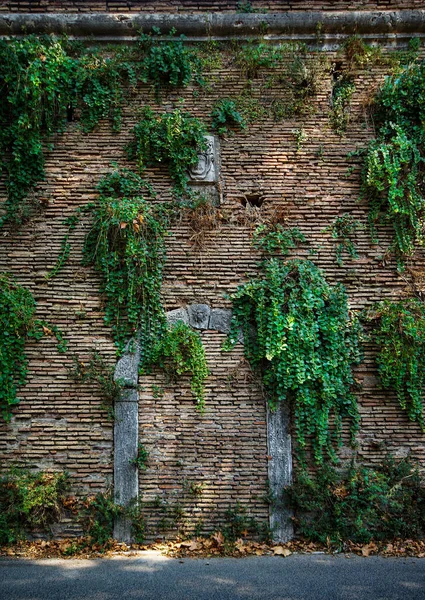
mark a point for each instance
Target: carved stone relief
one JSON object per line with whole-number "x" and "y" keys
{"x": 206, "y": 171}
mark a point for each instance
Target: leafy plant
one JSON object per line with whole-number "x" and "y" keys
{"x": 226, "y": 116}
{"x": 18, "y": 324}
{"x": 29, "y": 501}
{"x": 173, "y": 138}
{"x": 97, "y": 515}
{"x": 399, "y": 332}
{"x": 299, "y": 334}
{"x": 342, "y": 92}
{"x": 142, "y": 457}
{"x": 126, "y": 245}
{"x": 393, "y": 172}
{"x": 180, "y": 351}
{"x": 300, "y": 137}
{"x": 276, "y": 238}
{"x": 342, "y": 229}
{"x": 360, "y": 504}
{"x": 168, "y": 62}
{"x": 244, "y": 6}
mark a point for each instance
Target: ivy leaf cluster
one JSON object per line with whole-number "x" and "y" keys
{"x": 398, "y": 329}
{"x": 18, "y": 324}
{"x": 179, "y": 352}
{"x": 173, "y": 138}
{"x": 342, "y": 92}
{"x": 393, "y": 172}
{"x": 342, "y": 229}
{"x": 276, "y": 238}
{"x": 299, "y": 334}
{"x": 225, "y": 116}
{"x": 126, "y": 245}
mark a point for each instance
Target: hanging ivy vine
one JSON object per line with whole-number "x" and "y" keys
{"x": 126, "y": 245}
{"x": 299, "y": 334}
{"x": 18, "y": 324}
{"x": 174, "y": 138}
{"x": 393, "y": 173}
{"x": 398, "y": 329}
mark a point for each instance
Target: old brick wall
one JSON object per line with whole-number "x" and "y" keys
{"x": 60, "y": 424}
{"x": 193, "y": 6}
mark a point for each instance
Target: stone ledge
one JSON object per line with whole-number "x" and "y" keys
{"x": 334, "y": 25}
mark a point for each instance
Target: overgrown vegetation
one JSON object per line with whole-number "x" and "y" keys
{"x": 225, "y": 117}
{"x": 142, "y": 457}
{"x": 361, "y": 503}
{"x": 29, "y": 501}
{"x": 18, "y": 325}
{"x": 126, "y": 245}
{"x": 299, "y": 334}
{"x": 399, "y": 332}
{"x": 342, "y": 229}
{"x": 393, "y": 173}
{"x": 174, "y": 138}
{"x": 342, "y": 92}
{"x": 179, "y": 352}
{"x": 272, "y": 238}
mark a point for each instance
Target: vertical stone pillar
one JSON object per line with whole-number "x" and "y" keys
{"x": 126, "y": 437}
{"x": 279, "y": 471}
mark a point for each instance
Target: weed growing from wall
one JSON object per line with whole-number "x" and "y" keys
{"x": 342, "y": 229}
{"x": 299, "y": 334}
{"x": 276, "y": 238}
{"x": 29, "y": 501}
{"x": 399, "y": 332}
{"x": 174, "y": 138}
{"x": 342, "y": 92}
{"x": 18, "y": 324}
{"x": 226, "y": 116}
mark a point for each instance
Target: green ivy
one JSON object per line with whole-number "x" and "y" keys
{"x": 180, "y": 351}
{"x": 399, "y": 332}
{"x": 226, "y": 116}
{"x": 126, "y": 245}
{"x": 342, "y": 229}
{"x": 299, "y": 334}
{"x": 173, "y": 138}
{"x": 18, "y": 324}
{"x": 393, "y": 173}
{"x": 276, "y": 238}
{"x": 342, "y": 92}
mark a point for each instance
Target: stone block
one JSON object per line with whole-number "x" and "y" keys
{"x": 179, "y": 314}
{"x": 127, "y": 368}
{"x": 199, "y": 316}
{"x": 206, "y": 171}
{"x": 220, "y": 319}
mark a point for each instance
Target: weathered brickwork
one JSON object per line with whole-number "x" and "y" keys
{"x": 192, "y": 6}
{"x": 199, "y": 465}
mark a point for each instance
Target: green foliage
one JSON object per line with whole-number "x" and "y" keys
{"x": 298, "y": 333}
{"x": 361, "y": 55}
{"x": 98, "y": 371}
{"x": 342, "y": 229}
{"x": 342, "y": 92}
{"x": 141, "y": 459}
{"x": 361, "y": 504}
{"x": 168, "y": 62}
{"x": 399, "y": 332}
{"x": 256, "y": 55}
{"x": 226, "y": 116}
{"x": 180, "y": 351}
{"x": 393, "y": 173}
{"x": 173, "y": 138}
{"x": 97, "y": 516}
{"x": 276, "y": 238}
{"x": 18, "y": 324}
{"x": 300, "y": 137}
{"x": 126, "y": 245}
{"x": 244, "y": 6}
{"x": 28, "y": 501}
{"x": 42, "y": 80}
{"x": 239, "y": 524}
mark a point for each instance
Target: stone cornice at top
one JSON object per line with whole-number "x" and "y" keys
{"x": 109, "y": 27}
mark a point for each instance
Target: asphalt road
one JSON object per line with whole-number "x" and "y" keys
{"x": 154, "y": 577}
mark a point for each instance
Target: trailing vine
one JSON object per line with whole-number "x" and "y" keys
{"x": 18, "y": 324}
{"x": 276, "y": 238}
{"x": 342, "y": 229}
{"x": 180, "y": 351}
{"x": 399, "y": 332}
{"x": 174, "y": 138}
{"x": 299, "y": 334}
{"x": 342, "y": 92}
{"x": 393, "y": 173}
{"x": 126, "y": 245}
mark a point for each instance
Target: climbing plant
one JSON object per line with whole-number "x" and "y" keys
{"x": 174, "y": 138}
{"x": 180, "y": 351}
{"x": 299, "y": 334}
{"x": 342, "y": 92}
{"x": 276, "y": 238}
{"x": 18, "y": 324}
{"x": 225, "y": 116}
{"x": 398, "y": 329}
{"x": 126, "y": 245}
{"x": 342, "y": 229}
{"x": 393, "y": 172}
